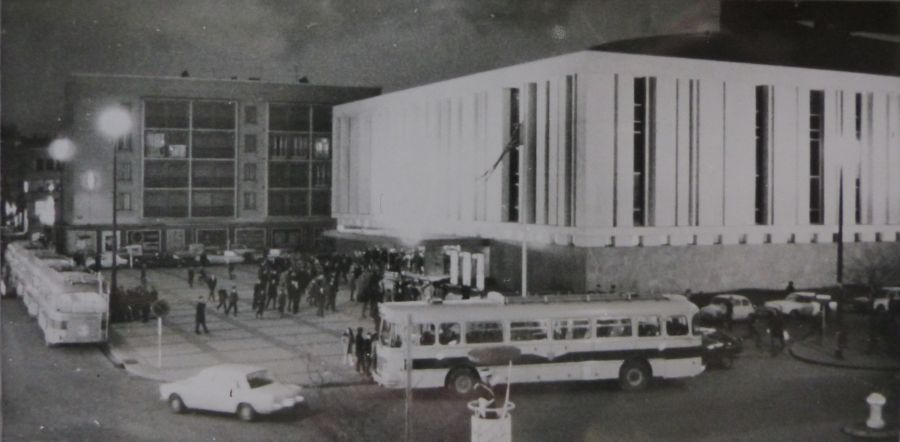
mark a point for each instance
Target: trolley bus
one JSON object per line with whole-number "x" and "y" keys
{"x": 455, "y": 344}
{"x": 70, "y": 306}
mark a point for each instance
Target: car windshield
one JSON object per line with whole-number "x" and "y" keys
{"x": 259, "y": 379}
{"x": 719, "y": 301}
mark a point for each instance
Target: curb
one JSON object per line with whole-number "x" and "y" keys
{"x": 809, "y": 360}
{"x": 111, "y": 356}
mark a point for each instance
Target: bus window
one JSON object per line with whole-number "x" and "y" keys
{"x": 449, "y": 333}
{"x": 426, "y": 334}
{"x": 484, "y": 332}
{"x": 528, "y": 330}
{"x": 611, "y": 328}
{"x": 676, "y": 326}
{"x": 571, "y": 329}
{"x": 648, "y": 326}
{"x": 390, "y": 336}
{"x": 560, "y": 330}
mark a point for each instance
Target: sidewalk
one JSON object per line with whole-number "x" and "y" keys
{"x": 302, "y": 349}
{"x": 821, "y": 351}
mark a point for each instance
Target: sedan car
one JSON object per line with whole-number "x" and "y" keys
{"x": 106, "y": 261}
{"x": 802, "y": 304}
{"x": 719, "y": 347}
{"x": 232, "y": 388}
{"x": 224, "y": 257}
{"x": 742, "y": 308}
{"x": 248, "y": 253}
{"x": 880, "y": 303}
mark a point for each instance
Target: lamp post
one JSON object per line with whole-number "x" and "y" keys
{"x": 114, "y": 122}
{"x": 61, "y": 150}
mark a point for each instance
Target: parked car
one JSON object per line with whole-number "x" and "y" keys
{"x": 249, "y": 254}
{"x": 802, "y": 304}
{"x": 191, "y": 254}
{"x": 106, "y": 261}
{"x": 245, "y": 390}
{"x": 881, "y": 302}
{"x": 719, "y": 347}
{"x": 141, "y": 256}
{"x": 742, "y": 307}
{"x": 223, "y": 257}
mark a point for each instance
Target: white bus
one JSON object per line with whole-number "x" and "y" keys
{"x": 70, "y": 306}
{"x": 554, "y": 338}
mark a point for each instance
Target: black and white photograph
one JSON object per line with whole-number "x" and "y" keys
{"x": 449, "y": 220}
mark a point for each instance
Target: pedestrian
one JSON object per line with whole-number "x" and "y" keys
{"x": 360, "y": 346}
{"x": 752, "y": 332}
{"x": 223, "y": 300}
{"x": 332, "y": 292}
{"x": 200, "y": 316}
{"x": 260, "y": 303}
{"x": 232, "y": 301}
{"x": 230, "y": 270}
{"x": 190, "y": 277}
{"x": 355, "y": 273}
{"x": 211, "y": 282}
{"x": 282, "y": 301}
{"x": 258, "y": 297}
{"x": 144, "y": 275}
{"x": 347, "y": 341}
{"x": 319, "y": 288}
{"x": 272, "y": 289}
{"x": 790, "y": 288}
{"x": 776, "y": 332}
{"x": 729, "y": 314}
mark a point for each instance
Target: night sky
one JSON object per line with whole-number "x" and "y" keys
{"x": 394, "y": 44}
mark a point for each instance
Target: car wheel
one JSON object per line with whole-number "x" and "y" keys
{"x": 634, "y": 375}
{"x": 176, "y": 404}
{"x": 461, "y": 381}
{"x": 726, "y": 362}
{"x": 246, "y": 412}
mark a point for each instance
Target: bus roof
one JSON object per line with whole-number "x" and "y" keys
{"x": 77, "y": 302}
{"x": 570, "y": 306}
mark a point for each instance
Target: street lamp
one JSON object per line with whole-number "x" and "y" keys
{"x": 60, "y": 150}
{"x": 114, "y": 122}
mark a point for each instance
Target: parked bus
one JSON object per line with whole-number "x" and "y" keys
{"x": 456, "y": 344}
{"x": 70, "y": 306}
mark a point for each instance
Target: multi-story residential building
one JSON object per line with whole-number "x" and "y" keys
{"x": 708, "y": 165}
{"x": 206, "y": 161}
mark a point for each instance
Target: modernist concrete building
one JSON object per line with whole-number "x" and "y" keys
{"x": 206, "y": 161}
{"x": 651, "y": 172}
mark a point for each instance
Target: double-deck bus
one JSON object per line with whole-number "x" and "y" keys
{"x": 70, "y": 306}
{"x": 455, "y": 344}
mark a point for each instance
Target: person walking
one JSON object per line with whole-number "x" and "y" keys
{"x": 347, "y": 341}
{"x": 231, "y": 270}
{"x": 282, "y": 301}
{"x": 200, "y": 316}
{"x": 223, "y": 300}
{"x": 333, "y": 291}
{"x": 144, "y": 275}
{"x": 360, "y": 347}
{"x": 729, "y": 314}
{"x": 259, "y": 299}
{"x": 190, "y": 277}
{"x": 232, "y": 301}
{"x": 211, "y": 282}
{"x": 776, "y": 332}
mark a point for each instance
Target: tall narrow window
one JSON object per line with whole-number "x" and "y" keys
{"x": 763, "y": 110}
{"x": 857, "y": 115}
{"x": 571, "y": 154}
{"x": 816, "y": 156}
{"x": 512, "y": 161}
{"x": 644, "y": 152}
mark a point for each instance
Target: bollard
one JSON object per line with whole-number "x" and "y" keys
{"x": 876, "y": 401}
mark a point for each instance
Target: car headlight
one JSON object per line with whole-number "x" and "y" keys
{"x": 714, "y": 346}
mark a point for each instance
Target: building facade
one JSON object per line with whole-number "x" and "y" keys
{"x": 653, "y": 173}
{"x": 216, "y": 162}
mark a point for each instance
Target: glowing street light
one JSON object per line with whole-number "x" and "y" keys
{"x": 114, "y": 122}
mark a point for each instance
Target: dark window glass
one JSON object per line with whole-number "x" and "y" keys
{"x": 165, "y": 203}
{"x": 294, "y": 147}
{"x": 762, "y": 155}
{"x": 212, "y": 203}
{"x": 283, "y": 174}
{"x": 322, "y": 175}
{"x": 249, "y": 201}
{"x": 250, "y": 172}
{"x": 166, "y": 144}
{"x": 166, "y": 114}
{"x": 321, "y": 202}
{"x": 250, "y": 143}
{"x": 484, "y": 332}
{"x": 212, "y": 174}
{"x": 322, "y": 119}
{"x": 165, "y": 174}
{"x": 213, "y": 145}
{"x": 288, "y": 203}
{"x": 214, "y": 115}
{"x": 250, "y": 114}
{"x": 290, "y": 117}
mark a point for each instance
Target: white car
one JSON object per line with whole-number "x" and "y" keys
{"x": 742, "y": 307}
{"x": 232, "y": 388}
{"x": 226, "y": 257}
{"x": 802, "y": 304}
{"x": 881, "y": 302}
{"x": 106, "y": 261}
{"x": 248, "y": 253}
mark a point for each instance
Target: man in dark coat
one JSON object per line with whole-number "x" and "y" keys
{"x": 223, "y": 300}
{"x": 191, "y": 277}
{"x": 200, "y": 316}
{"x": 211, "y": 282}
{"x": 360, "y": 346}
{"x": 232, "y": 301}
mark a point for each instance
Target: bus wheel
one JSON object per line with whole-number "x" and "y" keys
{"x": 461, "y": 381}
{"x": 634, "y": 375}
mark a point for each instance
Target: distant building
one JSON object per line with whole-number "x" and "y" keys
{"x": 712, "y": 164}
{"x": 30, "y": 183}
{"x": 207, "y": 161}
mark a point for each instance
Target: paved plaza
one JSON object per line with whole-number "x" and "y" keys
{"x": 304, "y": 348}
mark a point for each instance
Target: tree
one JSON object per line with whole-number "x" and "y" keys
{"x": 875, "y": 267}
